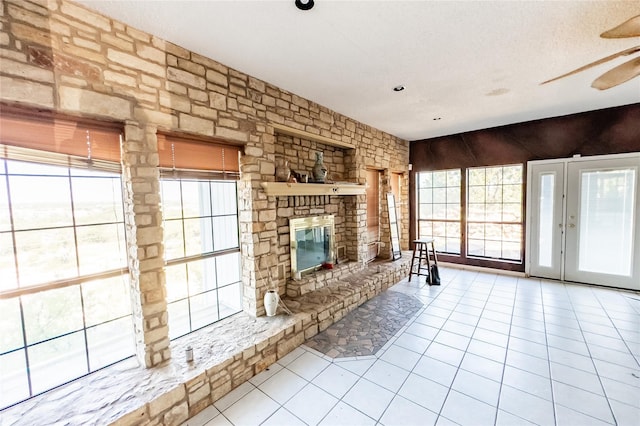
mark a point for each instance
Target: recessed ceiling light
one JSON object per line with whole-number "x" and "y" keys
{"x": 304, "y": 4}
{"x": 398, "y": 88}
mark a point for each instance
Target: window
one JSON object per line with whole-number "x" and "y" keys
{"x": 494, "y": 212}
{"x": 439, "y": 208}
{"x": 65, "y": 303}
{"x": 201, "y": 235}
{"x": 64, "y": 287}
{"x": 202, "y": 252}
{"x": 65, "y": 309}
{"x": 493, "y": 206}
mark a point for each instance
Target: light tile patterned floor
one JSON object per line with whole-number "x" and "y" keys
{"x": 485, "y": 349}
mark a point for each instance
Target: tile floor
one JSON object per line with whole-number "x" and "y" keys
{"x": 485, "y": 349}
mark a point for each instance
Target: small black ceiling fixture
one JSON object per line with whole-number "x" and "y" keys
{"x": 304, "y": 4}
{"x": 399, "y": 88}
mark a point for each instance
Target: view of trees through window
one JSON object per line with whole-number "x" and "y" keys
{"x": 439, "y": 208}
{"x": 494, "y": 212}
{"x": 64, "y": 286}
{"x": 202, "y": 252}
{"x": 493, "y": 206}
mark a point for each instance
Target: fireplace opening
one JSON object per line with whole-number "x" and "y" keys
{"x": 312, "y": 241}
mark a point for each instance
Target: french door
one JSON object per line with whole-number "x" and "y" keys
{"x": 583, "y": 220}
{"x": 546, "y": 218}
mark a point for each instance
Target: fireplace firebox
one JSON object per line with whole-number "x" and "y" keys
{"x": 312, "y": 243}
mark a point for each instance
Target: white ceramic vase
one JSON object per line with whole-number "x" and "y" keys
{"x": 271, "y": 302}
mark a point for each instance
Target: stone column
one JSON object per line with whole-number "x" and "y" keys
{"x": 143, "y": 219}
{"x": 245, "y": 219}
{"x": 356, "y": 207}
{"x": 258, "y": 226}
{"x": 257, "y": 219}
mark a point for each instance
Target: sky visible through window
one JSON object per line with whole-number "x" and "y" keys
{"x": 60, "y": 225}
{"x": 202, "y": 248}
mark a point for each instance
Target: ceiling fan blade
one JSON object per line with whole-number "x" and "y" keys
{"x": 629, "y": 28}
{"x": 625, "y": 52}
{"x": 618, "y": 75}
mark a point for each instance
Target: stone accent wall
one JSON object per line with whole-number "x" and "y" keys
{"x": 63, "y": 57}
{"x": 301, "y": 155}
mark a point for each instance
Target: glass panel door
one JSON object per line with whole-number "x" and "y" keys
{"x": 546, "y": 186}
{"x": 602, "y": 229}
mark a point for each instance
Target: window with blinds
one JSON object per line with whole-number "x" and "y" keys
{"x": 64, "y": 284}
{"x": 201, "y": 234}
{"x": 191, "y": 157}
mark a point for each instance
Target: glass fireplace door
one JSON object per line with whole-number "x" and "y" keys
{"x": 312, "y": 243}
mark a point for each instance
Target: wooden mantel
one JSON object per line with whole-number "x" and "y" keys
{"x": 293, "y": 189}
{"x": 290, "y": 131}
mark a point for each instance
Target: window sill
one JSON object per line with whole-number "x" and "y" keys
{"x": 126, "y": 391}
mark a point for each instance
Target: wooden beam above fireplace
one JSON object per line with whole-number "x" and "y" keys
{"x": 293, "y": 189}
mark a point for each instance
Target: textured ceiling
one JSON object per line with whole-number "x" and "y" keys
{"x": 466, "y": 65}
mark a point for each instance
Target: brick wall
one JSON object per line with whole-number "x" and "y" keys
{"x": 57, "y": 55}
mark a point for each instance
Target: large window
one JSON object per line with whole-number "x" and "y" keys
{"x": 439, "y": 208}
{"x": 65, "y": 297}
{"x": 492, "y": 206}
{"x": 494, "y": 212}
{"x": 65, "y": 308}
{"x": 202, "y": 252}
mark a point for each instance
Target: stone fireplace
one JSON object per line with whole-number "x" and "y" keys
{"x": 272, "y": 206}
{"x": 306, "y": 212}
{"x": 347, "y": 167}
